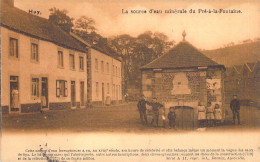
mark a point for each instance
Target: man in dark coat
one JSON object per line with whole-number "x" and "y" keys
{"x": 155, "y": 107}
{"x": 235, "y": 107}
{"x": 172, "y": 117}
{"x": 142, "y": 109}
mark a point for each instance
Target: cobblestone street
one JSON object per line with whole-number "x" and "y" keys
{"x": 119, "y": 118}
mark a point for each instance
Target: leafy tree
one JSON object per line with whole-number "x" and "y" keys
{"x": 85, "y": 24}
{"x": 139, "y": 51}
{"x": 60, "y": 18}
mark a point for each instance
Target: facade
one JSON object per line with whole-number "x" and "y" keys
{"x": 43, "y": 67}
{"x": 244, "y": 81}
{"x": 104, "y": 71}
{"x": 183, "y": 77}
{"x": 106, "y": 82}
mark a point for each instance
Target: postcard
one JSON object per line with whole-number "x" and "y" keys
{"x": 130, "y": 80}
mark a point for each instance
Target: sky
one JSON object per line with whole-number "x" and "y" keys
{"x": 204, "y": 30}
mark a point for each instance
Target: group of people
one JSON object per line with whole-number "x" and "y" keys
{"x": 207, "y": 116}
{"x": 156, "y": 107}
{"x": 210, "y": 115}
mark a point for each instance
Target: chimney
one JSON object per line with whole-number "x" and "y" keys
{"x": 8, "y": 2}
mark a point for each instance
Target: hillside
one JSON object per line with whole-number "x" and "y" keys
{"x": 235, "y": 55}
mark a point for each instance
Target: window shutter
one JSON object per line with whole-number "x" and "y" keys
{"x": 57, "y": 88}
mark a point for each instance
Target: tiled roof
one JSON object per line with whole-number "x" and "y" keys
{"x": 35, "y": 26}
{"x": 183, "y": 55}
{"x": 106, "y": 50}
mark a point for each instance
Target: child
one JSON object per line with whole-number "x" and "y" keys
{"x": 210, "y": 115}
{"x": 163, "y": 117}
{"x": 171, "y": 117}
{"x": 217, "y": 114}
{"x": 201, "y": 115}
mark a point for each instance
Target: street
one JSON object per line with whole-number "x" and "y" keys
{"x": 116, "y": 118}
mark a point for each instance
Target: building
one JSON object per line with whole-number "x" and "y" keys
{"x": 43, "y": 67}
{"x": 104, "y": 70}
{"x": 183, "y": 77}
{"x": 243, "y": 80}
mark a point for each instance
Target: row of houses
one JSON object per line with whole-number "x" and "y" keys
{"x": 46, "y": 68}
{"x": 243, "y": 80}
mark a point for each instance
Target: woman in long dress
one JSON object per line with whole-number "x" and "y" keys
{"x": 217, "y": 114}
{"x": 15, "y": 98}
{"x": 201, "y": 115}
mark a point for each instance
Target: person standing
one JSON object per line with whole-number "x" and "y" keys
{"x": 217, "y": 114}
{"x": 210, "y": 114}
{"x": 15, "y": 98}
{"x": 155, "y": 108}
{"x": 142, "y": 109}
{"x": 235, "y": 107}
{"x": 163, "y": 117}
{"x": 172, "y": 117}
{"x": 201, "y": 115}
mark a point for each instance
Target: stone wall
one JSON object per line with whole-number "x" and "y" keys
{"x": 60, "y": 105}
{"x": 27, "y": 108}
{"x": 192, "y": 85}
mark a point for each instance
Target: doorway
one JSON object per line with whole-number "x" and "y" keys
{"x": 44, "y": 93}
{"x": 103, "y": 94}
{"x": 14, "y": 94}
{"x": 73, "y": 94}
{"x": 82, "y": 94}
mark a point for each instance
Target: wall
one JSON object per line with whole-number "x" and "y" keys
{"x": 192, "y": 83}
{"x": 244, "y": 83}
{"x": 105, "y": 77}
{"x": 25, "y": 68}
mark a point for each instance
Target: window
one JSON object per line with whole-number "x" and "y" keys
{"x": 119, "y": 72}
{"x": 72, "y": 61}
{"x": 60, "y": 59}
{"x": 61, "y": 88}
{"x": 113, "y": 69}
{"x": 34, "y": 52}
{"x": 97, "y": 89}
{"x": 102, "y": 66}
{"x": 81, "y": 63}
{"x": 107, "y": 67}
{"x": 96, "y": 64}
{"x": 113, "y": 91}
{"x": 35, "y": 87}
{"x": 116, "y": 70}
{"x": 14, "y": 47}
{"x": 108, "y": 88}
{"x": 119, "y": 91}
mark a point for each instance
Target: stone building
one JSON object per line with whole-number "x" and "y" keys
{"x": 43, "y": 67}
{"x": 183, "y": 77}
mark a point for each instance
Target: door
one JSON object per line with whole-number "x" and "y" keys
{"x": 44, "y": 93}
{"x": 82, "y": 94}
{"x": 103, "y": 93}
{"x": 14, "y": 94}
{"x": 184, "y": 117}
{"x": 73, "y": 94}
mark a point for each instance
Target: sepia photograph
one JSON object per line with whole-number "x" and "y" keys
{"x": 130, "y": 80}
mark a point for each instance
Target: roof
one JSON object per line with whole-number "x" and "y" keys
{"x": 101, "y": 45}
{"x": 106, "y": 50}
{"x": 37, "y": 27}
{"x": 183, "y": 55}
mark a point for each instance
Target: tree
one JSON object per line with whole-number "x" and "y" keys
{"x": 60, "y": 18}
{"x": 139, "y": 51}
{"x": 85, "y": 24}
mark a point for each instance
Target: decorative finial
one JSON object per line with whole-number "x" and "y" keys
{"x": 184, "y": 35}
